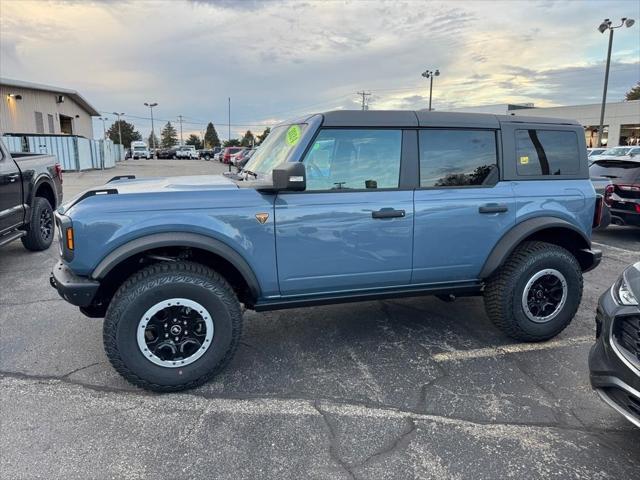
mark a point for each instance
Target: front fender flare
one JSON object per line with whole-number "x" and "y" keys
{"x": 178, "y": 239}
{"x": 510, "y": 240}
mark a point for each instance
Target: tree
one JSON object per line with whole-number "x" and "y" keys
{"x": 211, "y": 137}
{"x": 248, "y": 140}
{"x": 169, "y": 136}
{"x": 195, "y": 141}
{"x": 153, "y": 141}
{"x": 264, "y": 135}
{"x": 234, "y": 142}
{"x": 128, "y": 131}
{"x": 634, "y": 93}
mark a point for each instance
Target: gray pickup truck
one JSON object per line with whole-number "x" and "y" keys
{"x": 30, "y": 190}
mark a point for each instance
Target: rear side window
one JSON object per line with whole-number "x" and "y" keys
{"x": 619, "y": 171}
{"x": 547, "y": 152}
{"x": 453, "y": 158}
{"x": 343, "y": 159}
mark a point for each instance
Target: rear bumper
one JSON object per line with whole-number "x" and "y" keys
{"x": 589, "y": 259}
{"x": 76, "y": 290}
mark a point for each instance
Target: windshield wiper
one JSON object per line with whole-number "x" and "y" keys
{"x": 249, "y": 172}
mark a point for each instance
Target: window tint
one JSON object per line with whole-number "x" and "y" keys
{"x": 451, "y": 158}
{"x": 619, "y": 171}
{"x": 547, "y": 152}
{"x": 354, "y": 159}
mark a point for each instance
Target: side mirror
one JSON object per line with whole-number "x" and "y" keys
{"x": 290, "y": 177}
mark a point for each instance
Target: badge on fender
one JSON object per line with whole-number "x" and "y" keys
{"x": 262, "y": 217}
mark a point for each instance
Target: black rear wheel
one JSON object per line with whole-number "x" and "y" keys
{"x": 536, "y": 293}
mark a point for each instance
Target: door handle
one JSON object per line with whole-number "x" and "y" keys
{"x": 493, "y": 208}
{"x": 387, "y": 213}
{"x": 13, "y": 178}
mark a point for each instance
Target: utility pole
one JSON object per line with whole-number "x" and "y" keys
{"x": 430, "y": 74}
{"x": 119, "y": 129}
{"x": 180, "y": 120}
{"x": 104, "y": 128}
{"x": 604, "y": 26}
{"x": 364, "y": 98}
{"x": 153, "y": 135}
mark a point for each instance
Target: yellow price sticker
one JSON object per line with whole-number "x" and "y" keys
{"x": 524, "y": 160}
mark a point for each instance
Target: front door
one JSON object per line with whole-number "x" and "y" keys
{"x": 352, "y": 229}
{"x": 11, "y": 207}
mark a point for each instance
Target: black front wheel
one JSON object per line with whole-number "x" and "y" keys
{"x": 172, "y": 326}
{"x": 536, "y": 293}
{"x": 41, "y": 226}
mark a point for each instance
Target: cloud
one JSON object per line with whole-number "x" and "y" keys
{"x": 280, "y": 59}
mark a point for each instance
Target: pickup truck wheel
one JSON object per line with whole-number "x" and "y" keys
{"x": 536, "y": 293}
{"x": 172, "y": 326}
{"x": 41, "y": 226}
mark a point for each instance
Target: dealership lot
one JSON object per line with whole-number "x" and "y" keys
{"x": 408, "y": 388}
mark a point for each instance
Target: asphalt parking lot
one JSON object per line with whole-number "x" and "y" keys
{"x": 394, "y": 389}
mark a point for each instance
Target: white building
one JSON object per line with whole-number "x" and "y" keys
{"x": 621, "y": 119}
{"x": 31, "y": 108}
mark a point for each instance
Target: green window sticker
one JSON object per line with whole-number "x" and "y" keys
{"x": 293, "y": 135}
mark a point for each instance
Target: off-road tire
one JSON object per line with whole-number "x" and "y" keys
{"x": 35, "y": 240}
{"x": 504, "y": 289}
{"x": 167, "y": 280}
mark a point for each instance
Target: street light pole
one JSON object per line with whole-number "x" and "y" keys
{"x": 430, "y": 74}
{"x": 119, "y": 127}
{"x": 153, "y": 135}
{"x": 604, "y": 26}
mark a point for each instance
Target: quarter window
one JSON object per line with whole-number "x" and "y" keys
{"x": 454, "y": 158}
{"x": 547, "y": 152}
{"x": 342, "y": 159}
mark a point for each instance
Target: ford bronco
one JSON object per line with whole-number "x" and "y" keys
{"x": 335, "y": 207}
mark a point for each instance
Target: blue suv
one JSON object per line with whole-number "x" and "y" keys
{"x": 335, "y": 207}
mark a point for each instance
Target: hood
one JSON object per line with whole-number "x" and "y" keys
{"x": 132, "y": 185}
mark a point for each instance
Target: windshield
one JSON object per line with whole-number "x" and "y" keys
{"x": 138, "y": 149}
{"x": 274, "y": 150}
{"x": 616, "y": 152}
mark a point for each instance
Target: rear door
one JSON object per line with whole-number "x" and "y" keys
{"x": 462, "y": 208}
{"x": 352, "y": 229}
{"x": 11, "y": 203}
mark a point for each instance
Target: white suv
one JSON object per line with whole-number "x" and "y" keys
{"x": 187, "y": 151}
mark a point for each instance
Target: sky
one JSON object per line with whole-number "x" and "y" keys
{"x": 283, "y": 59}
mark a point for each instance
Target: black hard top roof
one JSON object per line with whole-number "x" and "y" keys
{"x": 423, "y": 118}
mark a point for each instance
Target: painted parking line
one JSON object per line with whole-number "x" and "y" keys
{"x": 508, "y": 349}
{"x": 615, "y": 249}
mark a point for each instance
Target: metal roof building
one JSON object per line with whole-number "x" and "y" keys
{"x": 32, "y": 108}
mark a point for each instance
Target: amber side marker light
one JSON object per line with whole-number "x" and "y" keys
{"x": 70, "y": 238}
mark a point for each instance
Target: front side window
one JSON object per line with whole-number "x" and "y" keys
{"x": 547, "y": 152}
{"x": 457, "y": 157}
{"x": 342, "y": 159}
{"x": 275, "y": 148}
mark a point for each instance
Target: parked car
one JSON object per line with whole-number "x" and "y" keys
{"x": 140, "y": 150}
{"x": 186, "y": 151}
{"x": 614, "y": 360}
{"x": 616, "y": 152}
{"x": 623, "y": 194}
{"x": 241, "y": 158}
{"x": 166, "y": 153}
{"x": 218, "y": 156}
{"x": 602, "y": 188}
{"x": 127, "y": 154}
{"x": 228, "y": 152}
{"x": 340, "y": 207}
{"x": 30, "y": 190}
{"x": 208, "y": 154}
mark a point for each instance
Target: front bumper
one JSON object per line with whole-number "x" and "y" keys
{"x": 614, "y": 373}
{"x": 76, "y": 290}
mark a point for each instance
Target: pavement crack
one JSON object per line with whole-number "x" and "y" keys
{"x": 332, "y": 441}
{"x": 67, "y": 375}
{"x": 401, "y": 442}
{"x": 17, "y": 304}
